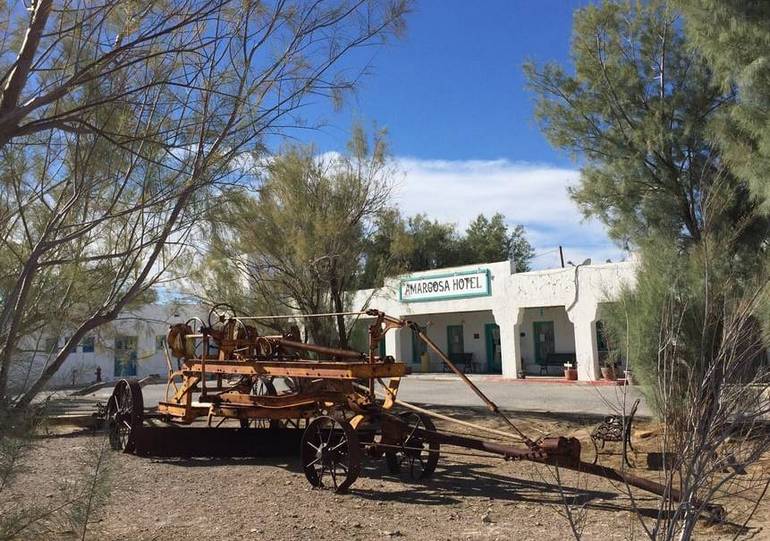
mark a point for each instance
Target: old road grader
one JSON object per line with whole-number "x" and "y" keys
{"x": 336, "y": 406}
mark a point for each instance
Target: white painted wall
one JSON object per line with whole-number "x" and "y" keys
{"x": 577, "y": 291}
{"x": 473, "y": 325}
{"x": 570, "y": 295}
{"x": 563, "y": 330}
{"x": 145, "y": 323}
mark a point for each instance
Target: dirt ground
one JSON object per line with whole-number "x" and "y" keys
{"x": 469, "y": 497}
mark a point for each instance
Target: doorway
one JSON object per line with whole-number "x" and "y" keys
{"x": 125, "y": 356}
{"x": 455, "y": 343}
{"x": 418, "y": 346}
{"x": 544, "y": 340}
{"x": 494, "y": 355}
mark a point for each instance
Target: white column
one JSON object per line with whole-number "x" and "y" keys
{"x": 583, "y": 318}
{"x": 393, "y": 343}
{"x": 508, "y": 320}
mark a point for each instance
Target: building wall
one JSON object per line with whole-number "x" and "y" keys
{"x": 146, "y": 324}
{"x": 575, "y": 291}
{"x": 474, "y": 339}
{"x": 563, "y": 330}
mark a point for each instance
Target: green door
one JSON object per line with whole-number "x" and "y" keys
{"x": 454, "y": 336}
{"x": 494, "y": 355}
{"x": 418, "y": 346}
{"x": 125, "y": 356}
{"x": 544, "y": 340}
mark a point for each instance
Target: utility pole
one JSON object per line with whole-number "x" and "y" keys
{"x": 561, "y": 257}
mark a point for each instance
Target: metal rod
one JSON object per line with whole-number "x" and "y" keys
{"x": 491, "y": 405}
{"x": 447, "y": 418}
{"x": 336, "y": 352}
{"x": 458, "y": 421}
{"x": 326, "y": 314}
{"x": 422, "y": 449}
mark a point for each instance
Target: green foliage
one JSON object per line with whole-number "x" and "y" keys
{"x": 300, "y": 243}
{"x": 734, "y": 36}
{"x": 639, "y": 111}
{"x": 489, "y": 240}
{"x": 679, "y": 300}
{"x": 636, "y": 111}
{"x": 417, "y": 243}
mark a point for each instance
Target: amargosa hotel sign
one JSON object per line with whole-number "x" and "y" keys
{"x": 445, "y": 286}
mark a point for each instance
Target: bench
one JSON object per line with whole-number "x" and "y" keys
{"x": 615, "y": 428}
{"x": 556, "y": 359}
{"x": 463, "y": 361}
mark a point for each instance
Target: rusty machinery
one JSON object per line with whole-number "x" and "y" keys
{"x": 227, "y": 370}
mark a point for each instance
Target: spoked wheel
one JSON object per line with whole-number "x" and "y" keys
{"x": 331, "y": 454}
{"x": 416, "y": 456}
{"x": 125, "y": 414}
{"x": 220, "y": 314}
{"x": 262, "y": 386}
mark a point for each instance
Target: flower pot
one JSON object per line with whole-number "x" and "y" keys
{"x": 608, "y": 373}
{"x": 570, "y": 374}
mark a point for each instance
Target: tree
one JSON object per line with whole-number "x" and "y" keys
{"x": 120, "y": 123}
{"x": 400, "y": 245}
{"x": 734, "y": 37}
{"x": 488, "y": 240}
{"x": 386, "y": 249}
{"x": 434, "y": 245}
{"x": 637, "y": 111}
{"x": 520, "y": 251}
{"x": 299, "y": 244}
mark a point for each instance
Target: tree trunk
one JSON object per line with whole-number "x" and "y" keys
{"x": 12, "y": 318}
{"x": 339, "y": 307}
{"x": 54, "y": 367}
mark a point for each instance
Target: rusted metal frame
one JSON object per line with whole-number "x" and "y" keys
{"x": 276, "y": 402}
{"x": 300, "y": 368}
{"x": 324, "y": 350}
{"x": 556, "y": 451}
{"x": 391, "y": 390}
{"x": 186, "y": 413}
{"x": 443, "y": 417}
{"x": 282, "y": 414}
{"x": 188, "y": 383}
{"x": 375, "y": 335}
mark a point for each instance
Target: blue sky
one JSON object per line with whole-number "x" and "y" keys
{"x": 452, "y": 95}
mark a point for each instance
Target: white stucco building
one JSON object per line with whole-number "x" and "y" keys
{"x": 131, "y": 346}
{"x": 499, "y": 321}
{"x": 489, "y": 318}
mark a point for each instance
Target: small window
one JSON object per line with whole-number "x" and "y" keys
{"x": 74, "y": 348}
{"x": 88, "y": 344}
{"x": 160, "y": 342}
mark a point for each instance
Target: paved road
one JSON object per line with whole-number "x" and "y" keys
{"x": 529, "y": 396}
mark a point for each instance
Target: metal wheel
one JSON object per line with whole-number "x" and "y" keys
{"x": 262, "y": 386}
{"x": 331, "y": 454}
{"x": 220, "y": 314}
{"x": 416, "y": 455}
{"x": 125, "y": 414}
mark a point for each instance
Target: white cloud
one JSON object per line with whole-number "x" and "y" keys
{"x": 534, "y": 195}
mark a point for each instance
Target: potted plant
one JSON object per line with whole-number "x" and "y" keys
{"x": 610, "y": 364}
{"x": 570, "y": 372}
{"x": 608, "y": 371}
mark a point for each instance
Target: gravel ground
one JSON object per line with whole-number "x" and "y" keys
{"x": 469, "y": 497}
